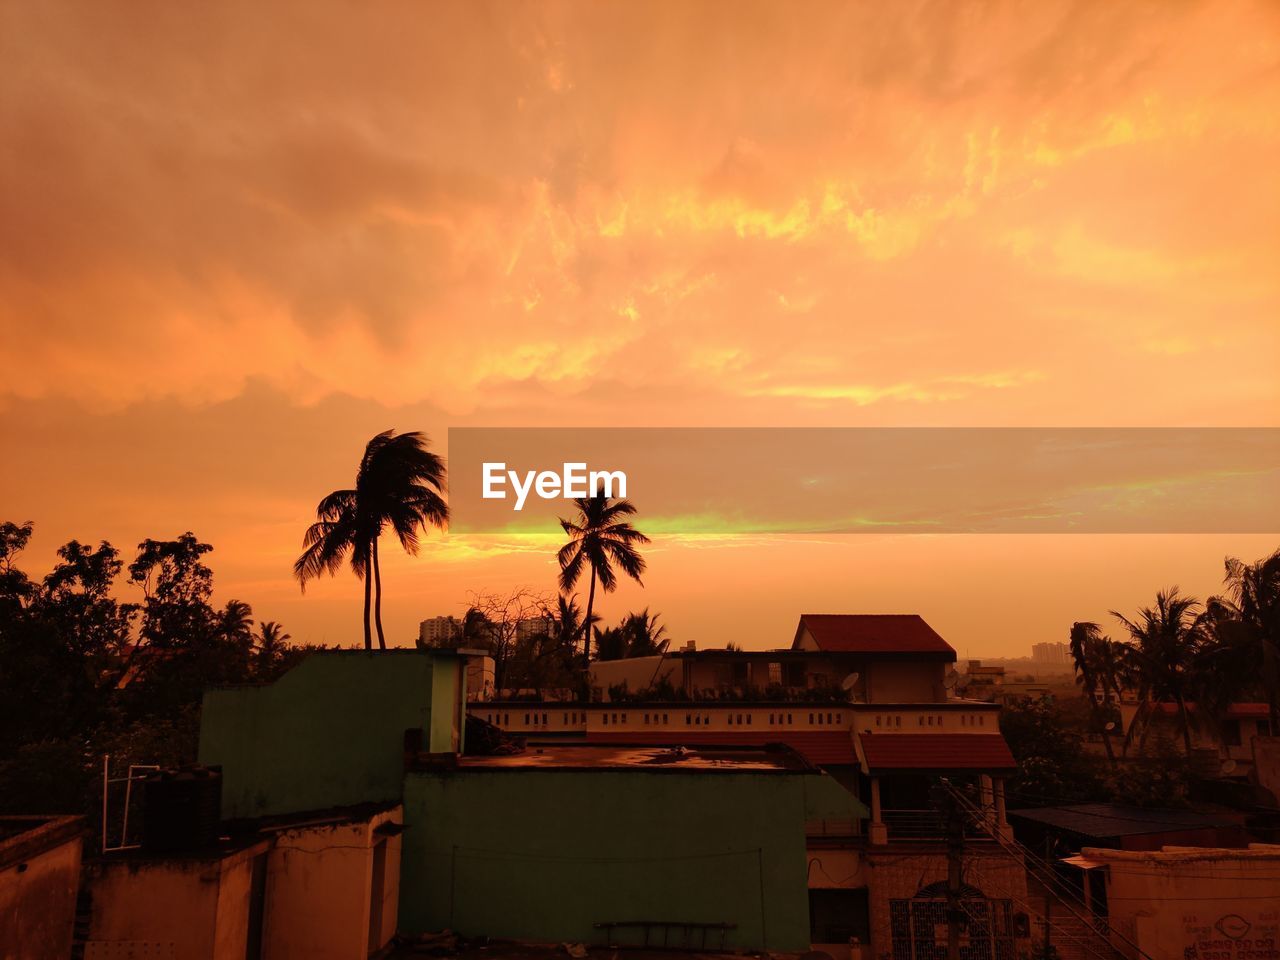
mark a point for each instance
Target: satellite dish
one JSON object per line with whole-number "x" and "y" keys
{"x": 1111, "y": 725}
{"x": 1228, "y": 765}
{"x": 951, "y": 678}
{"x": 849, "y": 682}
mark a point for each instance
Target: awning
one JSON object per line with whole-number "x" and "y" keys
{"x": 1082, "y": 863}
{"x": 936, "y": 752}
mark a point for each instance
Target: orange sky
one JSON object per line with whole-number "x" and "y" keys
{"x": 233, "y": 246}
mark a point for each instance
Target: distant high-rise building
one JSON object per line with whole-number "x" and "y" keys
{"x": 439, "y": 631}
{"x": 1051, "y": 654}
{"x": 535, "y": 627}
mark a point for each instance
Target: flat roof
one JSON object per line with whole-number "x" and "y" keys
{"x": 1115, "y": 820}
{"x": 651, "y": 758}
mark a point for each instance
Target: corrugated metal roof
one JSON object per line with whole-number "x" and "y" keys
{"x": 936, "y": 751}
{"x": 1103, "y": 820}
{"x": 873, "y": 633}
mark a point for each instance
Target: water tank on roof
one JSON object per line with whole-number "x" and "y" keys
{"x": 182, "y": 809}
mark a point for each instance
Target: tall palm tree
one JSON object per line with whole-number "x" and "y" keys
{"x": 599, "y": 538}
{"x": 1165, "y": 641}
{"x": 1098, "y": 671}
{"x": 236, "y": 623}
{"x": 1251, "y": 611}
{"x": 398, "y": 485}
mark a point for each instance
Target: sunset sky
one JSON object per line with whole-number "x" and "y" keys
{"x": 234, "y": 246}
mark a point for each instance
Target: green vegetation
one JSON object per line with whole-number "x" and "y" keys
{"x": 84, "y": 674}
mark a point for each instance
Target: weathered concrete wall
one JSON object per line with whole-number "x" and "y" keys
{"x": 320, "y": 881}
{"x": 199, "y": 905}
{"x": 1200, "y": 902}
{"x": 328, "y": 733}
{"x": 39, "y": 880}
{"x": 544, "y": 854}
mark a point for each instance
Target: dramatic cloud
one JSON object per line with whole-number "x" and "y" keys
{"x": 565, "y": 213}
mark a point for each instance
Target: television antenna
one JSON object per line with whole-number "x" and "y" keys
{"x": 849, "y": 682}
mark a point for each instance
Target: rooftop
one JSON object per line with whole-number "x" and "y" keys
{"x": 936, "y": 751}
{"x": 1113, "y": 820}
{"x": 647, "y": 757}
{"x": 874, "y": 633}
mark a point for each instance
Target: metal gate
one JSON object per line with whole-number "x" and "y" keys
{"x": 918, "y": 927}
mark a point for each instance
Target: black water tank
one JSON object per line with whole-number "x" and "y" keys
{"x": 182, "y": 809}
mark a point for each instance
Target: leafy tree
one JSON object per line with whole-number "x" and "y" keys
{"x": 1165, "y": 641}
{"x": 398, "y": 485}
{"x": 599, "y": 539}
{"x": 1246, "y": 627}
{"x": 272, "y": 643}
{"x": 1052, "y": 763}
{"x": 638, "y": 635}
{"x": 1098, "y": 671}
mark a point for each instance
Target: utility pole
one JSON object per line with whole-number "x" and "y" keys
{"x": 1048, "y": 894}
{"x": 954, "y": 826}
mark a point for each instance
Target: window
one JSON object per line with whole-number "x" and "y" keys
{"x": 748, "y": 719}
{"x": 811, "y": 719}
{"x": 877, "y": 721}
{"x": 897, "y": 721}
{"x": 506, "y": 719}
{"x": 604, "y": 718}
{"x": 664, "y": 718}
{"x": 731, "y": 719}
{"x": 526, "y": 719}
{"x": 688, "y": 719}
{"x": 771, "y": 719}
{"x": 544, "y": 719}
{"x": 564, "y": 721}
{"x": 789, "y": 720}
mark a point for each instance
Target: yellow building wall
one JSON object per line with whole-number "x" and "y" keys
{"x": 1212, "y": 904}
{"x": 200, "y": 906}
{"x": 38, "y": 903}
{"x": 320, "y": 883}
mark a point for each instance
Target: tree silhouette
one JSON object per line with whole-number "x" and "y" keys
{"x": 398, "y": 485}
{"x": 599, "y": 538}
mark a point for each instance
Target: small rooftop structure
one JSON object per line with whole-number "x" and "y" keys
{"x": 872, "y": 633}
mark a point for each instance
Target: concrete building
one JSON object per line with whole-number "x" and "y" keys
{"x": 1051, "y": 655}
{"x": 1178, "y": 903}
{"x": 865, "y": 698}
{"x": 1225, "y": 749}
{"x": 439, "y": 631}
{"x": 322, "y": 885}
{"x": 39, "y": 881}
{"x": 757, "y": 824}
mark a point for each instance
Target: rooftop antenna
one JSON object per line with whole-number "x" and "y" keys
{"x": 849, "y": 682}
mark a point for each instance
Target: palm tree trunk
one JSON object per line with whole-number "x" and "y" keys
{"x": 1186, "y": 725}
{"x": 586, "y": 623}
{"x": 1106, "y": 734}
{"x": 377, "y": 597}
{"x": 368, "y": 587}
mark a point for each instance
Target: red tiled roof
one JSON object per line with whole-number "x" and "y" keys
{"x": 937, "y": 751}
{"x": 873, "y": 633}
{"x": 829, "y": 748}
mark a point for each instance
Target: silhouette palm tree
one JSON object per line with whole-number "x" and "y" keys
{"x": 1098, "y": 671}
{"x": 599, "y": 538}
{"x": 1166, "y": 641}
{"x": 398, "y": 485}
{"x": 271, "y": 642}
{"x": 645, "y": 636}
{"x": 1251, "y": 612}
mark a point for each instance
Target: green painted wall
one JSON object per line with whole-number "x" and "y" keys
{"x": 330, "y": 732}
{"x": 544, "y": 854}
